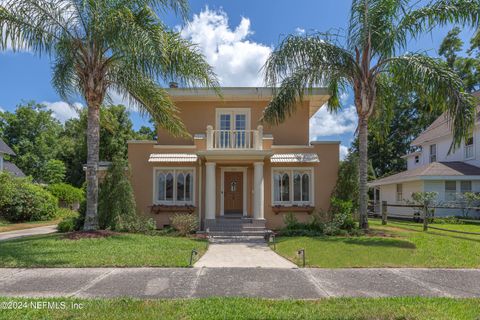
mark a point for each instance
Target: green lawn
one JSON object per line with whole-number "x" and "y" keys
{"x": 246, "y": 308}
{"x": 405, "y": 246}
{"x": 123, "y": 250}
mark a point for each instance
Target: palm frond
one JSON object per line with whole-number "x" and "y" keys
{"x": 437, "y": 85}
{"x": 149, "y": 98}
{"x": 437, "y": 13}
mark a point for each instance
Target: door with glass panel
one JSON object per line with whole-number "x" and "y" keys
{"x": 232, "y": 130}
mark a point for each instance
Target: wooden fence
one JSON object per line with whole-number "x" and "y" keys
{"x": 425, "y": 216}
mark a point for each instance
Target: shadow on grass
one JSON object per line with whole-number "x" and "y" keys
{"x": 362, "y": 241}
{"x": 26, "y": 252}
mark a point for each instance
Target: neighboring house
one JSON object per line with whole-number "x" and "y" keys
{"x": 233, "y": 167}
{"x": 433, "y": 169}
{"x": 5, "y": 165}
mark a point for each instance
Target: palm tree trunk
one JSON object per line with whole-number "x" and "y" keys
{"x": 93, "y": 150}
{"x": 363, "y": 170}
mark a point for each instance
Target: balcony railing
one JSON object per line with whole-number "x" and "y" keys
{"x": 234, "y": 139}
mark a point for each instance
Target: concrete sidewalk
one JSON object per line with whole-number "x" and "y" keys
{"x": 242, "y": 255}
{"x": 27, "y": 232}
{"x": 239, "y": 282}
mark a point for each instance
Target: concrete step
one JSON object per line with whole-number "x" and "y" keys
{"x": 237, "y": 239}
{"x": 236, "y": 234}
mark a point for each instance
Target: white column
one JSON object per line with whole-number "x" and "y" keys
{"x": 258, "y": 190}
{"x": 210, "y": 199}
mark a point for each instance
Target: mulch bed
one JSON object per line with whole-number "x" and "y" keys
{"x": 77, "y": 235}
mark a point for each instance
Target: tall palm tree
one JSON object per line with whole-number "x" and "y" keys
{"x": 370, "y": 59}
{"x": 100, "y": 47}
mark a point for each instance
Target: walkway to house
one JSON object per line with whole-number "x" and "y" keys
{"x": 242, "y": 255}
{"x": 241, "y": 282}
{"x": 27, "y": 232}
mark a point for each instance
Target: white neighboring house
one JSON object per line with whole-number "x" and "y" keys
{"x": 431, "y": 168}
{"x": 7, "y": 165}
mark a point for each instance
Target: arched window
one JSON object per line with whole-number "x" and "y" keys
{"x": 169, "y": 188}
{"x": 305, "y": 187}
{"x": 161, "y": 187}
{"x": 297, "y": 187}
{"x": 285, "y": 187}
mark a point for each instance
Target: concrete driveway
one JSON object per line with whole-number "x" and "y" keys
{"x": 238, "y": 282}
{"x": 27, "y": 232}
{"x": 242, "y": 255}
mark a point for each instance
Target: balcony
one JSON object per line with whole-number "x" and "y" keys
{"x": 234, "y": 139}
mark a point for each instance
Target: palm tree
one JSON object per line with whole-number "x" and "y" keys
{"x": 369, "y": 60}
{"x": 100, "y": 47}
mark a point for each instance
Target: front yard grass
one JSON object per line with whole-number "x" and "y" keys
{"x": 248, "y": 308}
{"x": 120, "y": 250}
{"x": 399, "y": 244}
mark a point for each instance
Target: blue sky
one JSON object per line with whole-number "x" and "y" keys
{"x": 236, "y": 37}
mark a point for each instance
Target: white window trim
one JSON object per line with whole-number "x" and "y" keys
{"x": 292, "y": 203}
{"x": 453, "y": 194}
{"x": 232, "y": 111}
{"x": 465, "y": 150}
{"x": 398, "y": 193}
{"x": 174, "y": 202}
{"x": 222, "y": 187}
{"x": 430, "y": 152}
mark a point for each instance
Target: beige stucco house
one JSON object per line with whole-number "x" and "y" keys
{"x": 233, "y": 167}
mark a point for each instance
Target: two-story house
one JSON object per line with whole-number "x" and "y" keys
{"x": 8, "y": 166}
{"x": 433, "y": 169}
{"x": 234, "y": 167}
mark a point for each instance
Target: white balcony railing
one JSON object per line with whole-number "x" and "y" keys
{"x": 234, "y": 139}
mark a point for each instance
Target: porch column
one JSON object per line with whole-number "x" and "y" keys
{"x": 210, "y": 200}
{"x": 258, "y": 190}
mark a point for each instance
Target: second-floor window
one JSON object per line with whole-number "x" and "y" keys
{"x": 232, "y": 128}
{"x": 469, "y": 148}
{"x": 433, "y": 153}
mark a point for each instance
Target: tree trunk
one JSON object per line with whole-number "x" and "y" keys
{"x": 363, "y": 170}
{"x": 93, "y": 150}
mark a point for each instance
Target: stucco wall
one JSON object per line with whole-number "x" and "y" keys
{"x": 198, "y": 115}
{"x": 325, "y": 176}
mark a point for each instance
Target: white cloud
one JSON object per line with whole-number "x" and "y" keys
{"x": 344, "y": 96}
{"x": 2, "y": 110}
{"x": 62, "y": 111}
{"x": 236, "y": 60}
{"x": 299, "y": 30}
{"x": 343, "y": 152}
{"x": 325, "y": 123}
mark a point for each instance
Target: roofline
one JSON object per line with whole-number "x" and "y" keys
{"x": 423, "y": 178}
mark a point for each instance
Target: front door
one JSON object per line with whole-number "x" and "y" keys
{"x": 233, "y": 193}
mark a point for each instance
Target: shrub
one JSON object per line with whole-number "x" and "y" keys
{"x": 67, "y": 195}
{"x": 26, "y": 201}
{"x": 184, "y": 223}
{"x": 137, "y": 224}
{"x": 342, "y": 213}
{"x": 291, "y": 222}
{"x": 116, "y": 207}
{"x": 447, "y": 220}
{"x": 63, "y": 213}
{"x": 68, "y": 224}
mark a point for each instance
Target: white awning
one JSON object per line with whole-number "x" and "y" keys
{"x": 294, "y": 158}
{"x": 173, "y": 157}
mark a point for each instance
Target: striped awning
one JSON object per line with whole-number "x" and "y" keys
{"x": 173, "y": 157}
{"x": 294, "y": 158}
